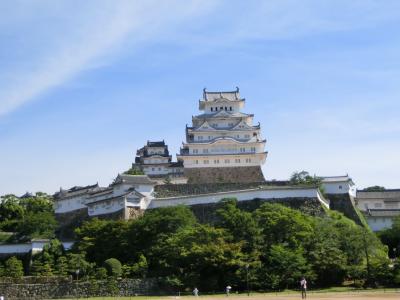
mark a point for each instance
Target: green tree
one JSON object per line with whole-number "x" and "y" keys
{"x": 240, "y": 224}
{"x": 14, "y": 267}
{"x": 201, "y": 256}
{"x": 375, "y": 188}
{"x": 283, "y": 225}
{"x": 304, "y": 178}
{"x": 36, "y": 225}
{"x": 61, "y": 267}
{"x": 329, "y": 262}
{"x": 94, "y": 234}
{"x": 391, "y": 237}
{"x": 284, "y": 267}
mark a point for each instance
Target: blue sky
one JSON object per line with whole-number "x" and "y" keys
{"x": 83, "y": 84}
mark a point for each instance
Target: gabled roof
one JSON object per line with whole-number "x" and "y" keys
{"x": 133, "y": 179}
{"x": 227, "y": 95}
{"x": 206, "y": 126}
{"x": 75, "y": 190}
{"x": 332, "y": 179}
{"x": 223, "y": 114}
{"x": 219, "y": 139}
{"x": 156, "y": 143}
{"x": 27, "y": 195}
{"x": 243, "y": 125}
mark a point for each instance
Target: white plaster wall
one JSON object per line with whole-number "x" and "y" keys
{"x": 156, "y": 170}
{"x": 71, "y": 204}
{"x": 256, "y": 159}
{"x": 236, "y": 106}
{"x": 156, "y": 150}
{"x": 17, "y": 248}
{"x": 35, "y": 246}
{"x": 244, "y": 195}
{"x": 379, "y": 223}
{"x": 145, "y": 189}
{"x": 336, "y": 187}
{"x": 155, "y": 160}
{"x": 106, "y": 207}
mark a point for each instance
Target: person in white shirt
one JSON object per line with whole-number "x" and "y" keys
{"x": 303, "y": 285}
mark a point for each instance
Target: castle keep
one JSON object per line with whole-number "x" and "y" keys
{"x": 223, "y": 144}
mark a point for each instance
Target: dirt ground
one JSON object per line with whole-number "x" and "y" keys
{"x": 374, "y": 295}
{"x": 317, "y": 296}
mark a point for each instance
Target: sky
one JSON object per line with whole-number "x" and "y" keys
{"x": 83, "y": 84}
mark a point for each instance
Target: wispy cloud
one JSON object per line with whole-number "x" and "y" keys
{"x": 68, "y": 46}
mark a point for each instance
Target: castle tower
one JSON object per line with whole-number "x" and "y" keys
{"x": 156, "y": 162}
{"x": 223, "y": 145}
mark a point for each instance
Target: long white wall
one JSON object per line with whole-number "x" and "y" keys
{"x": 106, "y": 207}
{"x": 243, "y": 195}
{"x": 34, "y": 246}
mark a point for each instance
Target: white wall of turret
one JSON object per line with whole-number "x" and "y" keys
{"x": 213, "y": 107}
{"x": 225, "y": 161}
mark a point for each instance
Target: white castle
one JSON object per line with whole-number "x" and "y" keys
{"x": 223, "y": 136}
{"x": 222, "y": 146}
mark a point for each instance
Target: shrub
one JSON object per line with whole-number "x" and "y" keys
{"x": 113, "y": 267}
{"x": 14, "y": 268}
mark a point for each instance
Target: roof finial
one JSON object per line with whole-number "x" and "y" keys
{"x": 204, "y": 94}
{"x": 237, "y": 89}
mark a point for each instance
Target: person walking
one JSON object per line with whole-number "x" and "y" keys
{"x": 196, "y": 292}
{"x": 228, "y": 290}
{"x": 303, "y": 286}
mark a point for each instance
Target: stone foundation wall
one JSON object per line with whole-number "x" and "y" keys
{"x": 69, "y": 221}
{"x": 122, "y": 288}
{"x": 344, "y": 203}
{"x": 229, "y": 174}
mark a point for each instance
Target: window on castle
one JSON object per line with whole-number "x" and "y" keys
{"x": 210, "y": 137}
{"x": 227, "y": 161}
{"x": 242, "y": 149}
{"x": 216, "y": 109}
{"x": 200, "y": 137}
{"x": 159, "y": 169}
{"x": 230, "y": 124}
{"x": 226, "y": 108}
{"x": 221, "y": 108}
{"x": 205, "y": 150}
{"x": 212, "y": 109}
{"x": 253, "y": 149}
{"x": 206, "y": 162}
{"x": 238, "y": 136}
{"x": 153, "y": 169}
{"x": 216, "y": 161}
{"x": 237, "y": 160}
{"x": 248, "y": 160}
{"x": 247, "y": 136}
{"x": 195, "y": 151}
{"x": 197, "y": 162}
{"x": 230, "y": 108}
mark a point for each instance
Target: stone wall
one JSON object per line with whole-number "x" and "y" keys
{"x": 344, "y": 203}
{"x": 69, "y": 221}
{"x": 231, "y": 174}
{"x": 123, "y": 287}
